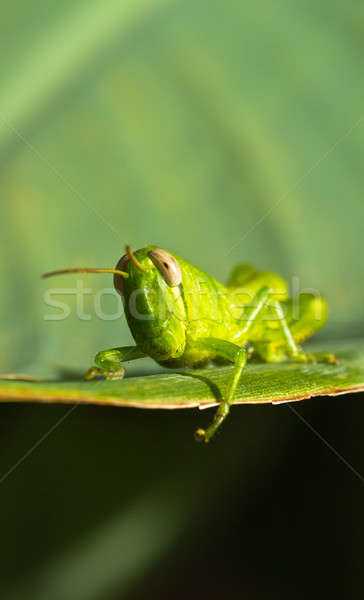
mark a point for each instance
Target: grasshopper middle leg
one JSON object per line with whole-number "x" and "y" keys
{"x": 236, "y": 354}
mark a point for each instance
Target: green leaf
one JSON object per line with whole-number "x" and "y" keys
{"x": 261, "y": 383}
{"x": 228, "y": 132}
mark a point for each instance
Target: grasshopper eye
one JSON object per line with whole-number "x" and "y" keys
{"x": 167, "y": 265}
{"x": 118, "y": 280}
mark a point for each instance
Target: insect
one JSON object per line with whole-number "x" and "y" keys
{"x": 182, "y": 317}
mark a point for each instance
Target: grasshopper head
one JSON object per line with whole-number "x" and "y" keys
{"x": 149, "y": 282}
{"x": 153, "y": 301}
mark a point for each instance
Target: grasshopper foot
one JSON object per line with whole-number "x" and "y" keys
{"x": 205, "y": 435}
{"x": 317, "y": 357}
{"x": 200, "y": 435}
{"x": 326, "y": 357}
{"x": 109, "y": 375}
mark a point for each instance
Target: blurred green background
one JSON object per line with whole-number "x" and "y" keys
{"x": 228, "y": 132}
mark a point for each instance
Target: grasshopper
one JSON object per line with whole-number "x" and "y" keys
{"x": 182, "y": 317}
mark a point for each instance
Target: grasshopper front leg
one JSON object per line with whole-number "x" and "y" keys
{"x": 109, "y": 362}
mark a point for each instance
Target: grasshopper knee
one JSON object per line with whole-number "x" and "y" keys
{"x": 108, "y": 360}
{"x": 315, "y": 307}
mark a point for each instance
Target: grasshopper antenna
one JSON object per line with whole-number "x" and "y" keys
{"x": 133, "y": 258}
{"x": 85, "y": 270}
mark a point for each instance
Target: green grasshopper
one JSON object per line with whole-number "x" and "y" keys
{"x": 182, "y": 317}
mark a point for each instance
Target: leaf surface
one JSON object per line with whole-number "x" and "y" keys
{"x": 260, "y": 383}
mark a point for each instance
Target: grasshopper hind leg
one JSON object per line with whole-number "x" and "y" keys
{"x": 306, "y": 314}
{"x": 291, "y": 333}
{"x": 299, "y": 318}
